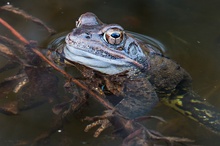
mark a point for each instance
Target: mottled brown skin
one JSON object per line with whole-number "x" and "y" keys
{"x": 166, "y": 75}
{"x": 160, "y": 80}
{"x": 131, "y": 68}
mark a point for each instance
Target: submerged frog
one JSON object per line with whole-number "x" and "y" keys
{"x": 133, "y": 68}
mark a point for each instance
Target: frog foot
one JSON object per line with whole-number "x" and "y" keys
{"x": 104, "y": 124}
{"x": 99, "y": 120}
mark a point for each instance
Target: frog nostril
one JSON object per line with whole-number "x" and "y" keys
{"x": 87, "y": 35}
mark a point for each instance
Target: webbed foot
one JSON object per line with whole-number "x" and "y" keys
{"x": 99, "y": 120}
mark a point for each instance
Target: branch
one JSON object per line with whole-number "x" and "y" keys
{"x": 68, "y": 76}
{"x": 131, "y": 127}
{"x": 10, "y": 8}
{"x": 13, "y": 31}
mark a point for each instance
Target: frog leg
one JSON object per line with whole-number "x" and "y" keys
{"x": 191, "y": 105}
{"x": 139, "y": 98}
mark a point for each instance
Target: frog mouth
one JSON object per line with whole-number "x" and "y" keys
{"x": 100, "y": 63}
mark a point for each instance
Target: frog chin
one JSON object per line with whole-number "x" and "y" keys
{"x": 98, "y": 63}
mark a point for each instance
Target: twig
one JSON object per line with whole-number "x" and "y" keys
{"x": 131, "y": 128}
{"x": 149, "y": 117}
{"x": 158, "y": 136}
{"x": 35, "y": 50}
{"x": 9, "y": 42}
{"x": 7, "y": 52}
{"x": 27, "y": 16}
{"x": 100, "y": 99}
{"x": 13, "y": 31}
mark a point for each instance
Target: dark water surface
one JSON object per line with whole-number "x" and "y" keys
{"x": 189, "y": 30}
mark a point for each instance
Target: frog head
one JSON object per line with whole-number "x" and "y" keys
{"x": 106, "y": 48}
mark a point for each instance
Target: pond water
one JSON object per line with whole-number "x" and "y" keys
{"x": 189, "y": 30}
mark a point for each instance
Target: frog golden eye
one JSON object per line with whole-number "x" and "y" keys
{"x": 113, "y": 36}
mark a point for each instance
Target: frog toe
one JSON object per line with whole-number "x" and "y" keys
{"x": 103, "y": 125}
{"x": 99, "y": 120}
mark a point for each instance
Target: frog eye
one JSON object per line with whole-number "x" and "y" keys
{"x": 113, "y": 36}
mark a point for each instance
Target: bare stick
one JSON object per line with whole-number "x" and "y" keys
{"x": 100, "y": 99}
{"x": 14, "y": 32}
{"x": 13, "y": 44}
{"x": 27, "y": 16}
{"x": 97, "y": 97}
{"x": 26, "y": 42}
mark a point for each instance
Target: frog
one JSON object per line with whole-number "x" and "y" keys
{"x": 134, "y": 68}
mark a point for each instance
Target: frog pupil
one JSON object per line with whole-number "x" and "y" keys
{"x": 115, "y": 35}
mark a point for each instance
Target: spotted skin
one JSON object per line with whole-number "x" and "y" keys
{"x": 133, "y": 68}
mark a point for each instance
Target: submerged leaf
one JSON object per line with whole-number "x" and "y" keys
{"x": 57, "y": 109}
{"x": 10, "y": 108}
{"x": 6, "y": 51}
{"x": 12, "y": 84}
